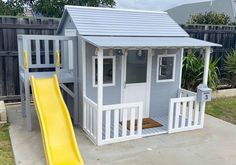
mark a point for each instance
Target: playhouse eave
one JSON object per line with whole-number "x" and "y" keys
{"x": 147, "y": 42}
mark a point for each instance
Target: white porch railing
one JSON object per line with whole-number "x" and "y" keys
{"x": 120, "y": 122}
{"x": 186, "y": 93}
{"x": 185, "y": 113}
{"x": 90, "y": 119}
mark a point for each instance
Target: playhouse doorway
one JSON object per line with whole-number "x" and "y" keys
{"x": 135, "y": 79}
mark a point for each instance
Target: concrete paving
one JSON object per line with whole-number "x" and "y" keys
{"x": 213, "y": 145}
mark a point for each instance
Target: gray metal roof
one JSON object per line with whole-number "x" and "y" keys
{"x": 152, "y": 42}
{"x": 119, "y": 22}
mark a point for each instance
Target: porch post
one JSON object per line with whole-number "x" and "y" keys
{"x": 205, "y": 80}
{"x": 206, "y": 65}
{"x": 99, "y": 94}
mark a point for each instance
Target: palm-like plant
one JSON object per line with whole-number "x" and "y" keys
{"x": 193, "y": 70}
{"x": 230, "y": 67}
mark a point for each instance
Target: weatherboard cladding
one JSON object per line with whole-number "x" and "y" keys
{"x": 115, "y": 22}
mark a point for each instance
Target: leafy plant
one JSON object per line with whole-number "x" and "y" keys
{"x": 230, "y": 67}
{"x": 212, "y": 18}
{"x": 193, "y": 70}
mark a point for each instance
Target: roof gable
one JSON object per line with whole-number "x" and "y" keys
{"x": 91, "y": 21}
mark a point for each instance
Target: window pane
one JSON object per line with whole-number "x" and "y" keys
{"x": 107, "y": 71}
{"x": 136, "y": 69}
{"x": 166, "y": 65}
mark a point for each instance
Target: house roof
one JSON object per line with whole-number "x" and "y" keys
{"x": 106, "y": 27}
{"x": 120, "y": 22}
{"x": 101, "y": 41}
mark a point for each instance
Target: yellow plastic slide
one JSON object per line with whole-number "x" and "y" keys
{"x": 58, "y": 136}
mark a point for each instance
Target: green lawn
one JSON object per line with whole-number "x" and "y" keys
{"x": 224, "y": 108}
{"x": 6, "y": 154}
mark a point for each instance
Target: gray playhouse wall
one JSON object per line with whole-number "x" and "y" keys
{"x": 161, "y": 92}
{"x": 68, "y": 24}
{"x": 111, "y": 94}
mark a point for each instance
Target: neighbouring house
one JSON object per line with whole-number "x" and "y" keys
{"x": 181, "y": 14}
{"x": 126, "y": 67}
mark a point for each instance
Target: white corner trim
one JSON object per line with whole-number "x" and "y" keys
{"x": 174, "y": 65}
{"x": 113, "y": 70}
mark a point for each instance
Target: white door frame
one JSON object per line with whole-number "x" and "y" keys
{"x": 149, "y": 73}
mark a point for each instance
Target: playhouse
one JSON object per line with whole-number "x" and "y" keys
{"x": 118, "y": 70}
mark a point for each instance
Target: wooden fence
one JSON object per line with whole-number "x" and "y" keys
{"x": 10, "y": 27}
{"x": 222, "y": 34}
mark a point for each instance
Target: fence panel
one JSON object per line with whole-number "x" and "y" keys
{"x": 222, "y": 34}
{"x": 10, "y": 27}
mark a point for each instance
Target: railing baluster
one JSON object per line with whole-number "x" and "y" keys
{"x": 38, "y": 59}
{"x": 29, "y": 53}
{"x": 87, "y": 116}
{"x": 116, "y": 123}
{"x": 177, "y": 115}
{"x": 124, "y": 122}
{"x": 132, "y": 121}
{"x": 108, "y": 124}
{"x": 183, "y": 118}
{"x": 95, "y": 121}
{"x": 46, "y": 46}
{"x": 84, "y": 114}
{"x": 140, "y": 119}
{"x": 196, "y": 113}
{"x": 90, "y": 119}
{"x": 171, "y": 115}
{"x": 190, "y": 113}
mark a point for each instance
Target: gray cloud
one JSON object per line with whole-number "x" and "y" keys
{"x": 155, "y": 5}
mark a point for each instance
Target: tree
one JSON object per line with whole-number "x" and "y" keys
{"x": 54, "y": 8}
{"x": 11, "y": 7}
{"x": 212, "y": 18}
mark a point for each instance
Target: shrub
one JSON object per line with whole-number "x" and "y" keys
{"x": 212, "y": 18}
{"x": 230, "y": 67}
{"x": 193, "y": 70}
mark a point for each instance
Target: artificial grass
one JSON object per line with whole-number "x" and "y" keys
{"x": 223, "y": 108}
{"x": 6, "y": 153}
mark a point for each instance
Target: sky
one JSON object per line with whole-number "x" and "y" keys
{"x": 155, "y": 5}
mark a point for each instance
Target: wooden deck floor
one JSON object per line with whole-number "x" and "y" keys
{"x": 145, "y": 132}
{"x": 157, "y": 130}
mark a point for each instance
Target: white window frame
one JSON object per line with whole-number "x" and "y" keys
{"x": 113, "y": 70}
{"x": 158, "y": 66}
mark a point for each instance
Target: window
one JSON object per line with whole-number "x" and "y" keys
{"x": 166, "y": 68}
{"x": 136, "y": 67}
{"x": 108, "y": 71}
